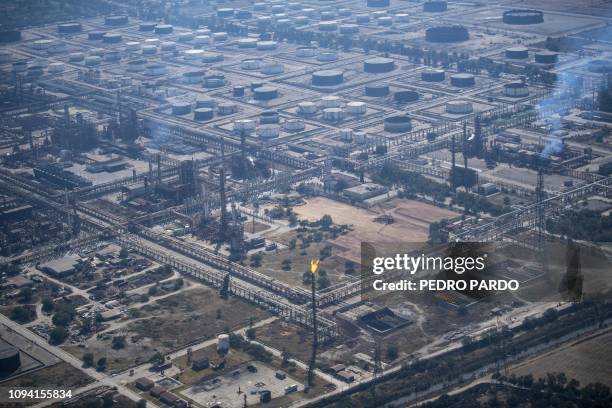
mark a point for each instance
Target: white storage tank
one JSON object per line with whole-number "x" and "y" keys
{"x": 333, "y": 114}
{"x": 247, "y": 43}
{"x": 244, "y": 125}
{"x": 272, "y": 68}
{"x": 76, "y": 56}
{"x": 305, "y": 52}
{"x": 251, "y": 64}
{"x": 331, "y": 101}
{"x": 327, "y": 56}
{"x": 132, "y": 46}
{"x": 294, "y": 125}
{"x": 268, "y": 131}
{"x": 356, "y": 108}
{"x": 193, "y": 55}
{"x": 149, "y": 49}
{"x": 220, "y": 36}
{"x": 307, "y": 108}
{"x": 226, "y": 108}
{"x": 201, "y": 40}
{"x": 168, "y": 46}
{"x": 360, "y": 137}
{"x": 460, "y": 107}
{"x": 93, "y": 60}
{"x": 266, "y": 45}
{"x": 346, "y": 134}
{"x": 185, "y": 37}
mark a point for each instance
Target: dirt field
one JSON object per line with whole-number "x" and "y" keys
{"x": 196, "y": 314}
{"x": 412, "y": 219}
{"x": 587, "y": 360}
{"x": 60, "y": 376}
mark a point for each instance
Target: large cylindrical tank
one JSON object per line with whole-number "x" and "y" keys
{"x": 265, "y": 93}
{"x": 146, "y": 26}
{"x": 181, "y": 108}
{"x": 333, "y": 114}
{"x": 349, "y": 28}
{"x": 435, "y": 6}
{"x": 219, "y": 36}
{"x": 266, "y": 45}
{"x": 211, "y": 57}
{"x": 516, "y": 89}
{"x": 225, "y": 12}
{"x": 268, "y": 131}
{"x": 10, "y": 360}
{"x": 305, "y": 52}
{"x": 214, "y": 81}
{"x": 156, "y": 69}
{"x": 331, "y": 101}
{"x": 149, "y": 49}
{"x": 226, "y": 108}
{"x": 294, "y": 125}
{"x": 523, "y": 16}
{"x": 378, "y": 65}
{"x": 397, "y": 124}
{"x": 185, "y": 37}
{"x": 95, "y": 35}
{"x": 378, "y": 3}
{"x": 307, "y": 108}
{"x": 76, "y": 56}
{"x": 385, "y": 21}
{"x": 203, "y": 114}
{"x": 328, "y": 77}
{"x": 168, "y": 46}
{"x": 463, "y": 80}
{"x": 405, "y": 96}
{"x": 193, "y": 55}
{"x": 132, "y": 46}
{"x": 69, "y": 28}
{"x": 546, "y": 57}
{"x": 244, "y": 125}
{"x": 328, "y": 26}
{"x": 272, "y": 68}
{"x": 205, "y": 103}
{"x": 115, "y": 21}
{"x": 93, "y": 60}
{"x": 327, "y": 56}
{"x": 459, "y": 107}
{"x": 600, "y": 66}
{"x": 251, "y": 64}
{"x": 238, "y": 91}
{"x": 163, "y": 29}
{"x": 433, "y": 75}
{"x": 356, "y": 108}
{"x": 112, "y": 38}
{"x": 268, "y": 117}
{"x": 193, "y": 77}
{"x": 376, "y": 90}
{"x": 447, "y": 34}
{"x": 362, "y": 19}
{"x": 247, "y": 43}
{"x": 517, "y": 52}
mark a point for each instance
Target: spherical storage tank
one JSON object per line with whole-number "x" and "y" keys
{"x": 265, "y": 93}
{"x": 378, "y": 65}
{"x": 435, "y": 6}
{"x": 377, "y": 90}
{"x": 203, "y": 114}
{"x": 463, "y": 80}
{"x": 69, "y": 28}
{"x": 447, "y": 34}
{"x": 517, "y": 53}
{"x": 460, "y": 107}
{"x": 223, "y": 342}
{"x": 516, "y": 89}
{"x": 329, "y": 77}
{"x": 397, "y": 124}
{"x": 523, "y": 16}
{"x": 433, "y": 75}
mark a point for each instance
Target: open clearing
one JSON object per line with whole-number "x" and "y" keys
{"x": 411, "y": 222}
{"x": 587, "y": 360}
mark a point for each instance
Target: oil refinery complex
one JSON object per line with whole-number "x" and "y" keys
{"x": 169, "y": 170}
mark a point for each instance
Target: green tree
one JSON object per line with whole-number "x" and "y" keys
{"x": 58, "y": 335}
{"x": 88, "y": 359}
{"x": 47, "y": 305}
{"x": 21, "y": 314}
{"x": 101, "y": 364}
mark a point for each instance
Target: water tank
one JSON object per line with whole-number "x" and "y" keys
{"x": 460, "y": 107}
{"x": 265, "y": 93}
{"x": 203, "y": 114}
{"x": 136, "y": 65}
{"x": 463, "y": 80}
{"x": 223, "y": 343}
{"x": 356, "y": 108}
{"x": 203, "y": 31}
{"x": 517, "y": 53}
{"x": 346, "y": 134}
{"x": 268, "y": 131}
{"x": 516, "y": 90}
{"x": 333, "y": 114}
{"x": 397, "y": 124}
{"x": 328, "y": 77}
{"x": 378, "y": 65}
{"x": 43, "y": 44}
{"x": 10, "y": 359}
{"x": 163, "y": 29}
{"x": 112, "y": 56}
{"x": 377, "y": 90}
{"x": 214, "y": 81}
{"x": 433, "y": 75}
{"x": 435, "y": 6}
